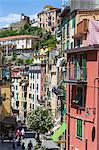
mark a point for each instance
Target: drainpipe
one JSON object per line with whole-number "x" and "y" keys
{"x": 68, "y": 116}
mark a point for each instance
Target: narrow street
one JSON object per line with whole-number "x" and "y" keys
{"x": 6, "y": 145}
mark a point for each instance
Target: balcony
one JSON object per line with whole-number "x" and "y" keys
{"x": 82, "y": 29}
{"x": 76, "y": 75}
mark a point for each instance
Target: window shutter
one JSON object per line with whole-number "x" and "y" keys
{"x": 75, "y": 67}
{"x": 84, "y": 65}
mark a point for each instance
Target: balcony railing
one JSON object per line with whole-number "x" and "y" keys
{"x": 77, "y": 73}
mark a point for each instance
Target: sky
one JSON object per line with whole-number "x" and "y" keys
{"x": 10, "y": 10}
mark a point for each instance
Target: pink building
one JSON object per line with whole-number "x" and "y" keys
{"x": 82, "y": 114}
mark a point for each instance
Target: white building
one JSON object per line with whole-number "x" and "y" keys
{"x": 21, "y": 44}
{"x": 36, "y": 85}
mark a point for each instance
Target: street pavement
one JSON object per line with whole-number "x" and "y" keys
{"x": 6, "y": 145}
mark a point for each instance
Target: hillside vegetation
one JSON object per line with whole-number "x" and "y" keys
{"x": 46, "y": 39}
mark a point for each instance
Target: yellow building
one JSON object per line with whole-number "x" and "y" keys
{"x": 6, "y": 103}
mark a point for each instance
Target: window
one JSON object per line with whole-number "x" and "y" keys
{"x": 28, "y": 41}
{"x": 30, "y": 106}
{"x": 33, "y": 85}
{"x": 68, "y": 29}
{"x": 37, "y": 75}
{"x": 33, "y": 97}
{"x": 72, "y": 45}
{"x": 53, "y": 18}
{"x": 73, "y": 22}
{"x": 30, "y": 75}
{"x": 79, "y": 129}
{"x": 22, "y": 46}
{"x": 30, "y": 86}
{"x": 29, "y": 95}
{"x": 67, "y": 44}
{"x": 78, "y": 96}
{"x": 17, "y": 104}
{"x": 16, "y": 87}
{"x": 33, "y": 75}
{"x": 17, "y": 96}
{"x": 33, "y": 106}
{"x": 37, "y": 97}
{"x": 37, "y": 87}
{"x": 78, "y": 43}
{"x": 63, "y": 32}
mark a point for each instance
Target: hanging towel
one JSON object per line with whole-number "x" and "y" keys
{"x": 93, "y": 32}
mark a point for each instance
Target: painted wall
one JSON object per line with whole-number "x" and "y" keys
{"x": 89, "y": 121}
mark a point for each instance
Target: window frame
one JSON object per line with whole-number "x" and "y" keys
{"x": 73, "y": 22}
{"x": 78, "y": 136}
{"x": 83, "y": 98}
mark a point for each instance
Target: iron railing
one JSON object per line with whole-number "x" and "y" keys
{"x": 76, "y": 73}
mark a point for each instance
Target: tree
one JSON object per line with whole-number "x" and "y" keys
{"x": 40, "y": 120}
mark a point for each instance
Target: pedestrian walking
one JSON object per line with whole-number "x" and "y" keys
{"x": 23, "y": 146}
{"x": 23, "y": 133}
{"x": 17, "y": 133}
{"x": 30, "y": 145}
{"x": 14, "y": 143}
{"x": 19, "y": 141}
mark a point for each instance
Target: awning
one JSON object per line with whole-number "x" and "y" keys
{"x": 59, "y": 132}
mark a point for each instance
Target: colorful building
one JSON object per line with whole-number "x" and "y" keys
{"x": 21, "y": 45}
{"x": 20, "y": 91}
{"x": 36, "y": 85}
{"x": 70, "y": 23}
{"x": 47, "y": 19}
{"x": 82, "y": 110}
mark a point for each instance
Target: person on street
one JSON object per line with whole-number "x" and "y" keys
{"x": 14, "y": 143}
{"x": 30, "y": 145}
{"x": 17, "y": 133}
{"x": 19, "y": 141}
{"x": 23, "y": 146}
{"x": 23, "y": 133}
{"x": 2, "y": 137}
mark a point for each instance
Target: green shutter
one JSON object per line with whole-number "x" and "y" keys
{"x": 75, "y": 66}
{"x": 84, "y": 65}
{"x": 67, "y": 44}
{"x": 79, "y": 128}
{"x": 73, "y": 22}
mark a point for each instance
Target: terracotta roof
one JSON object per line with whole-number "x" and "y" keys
{"x": 18, "y": 37}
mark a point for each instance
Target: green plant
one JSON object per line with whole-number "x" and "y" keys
{"x": 29, "y": 61}
{"x": 40, "y": 120}
{"x": 35, "y": 147}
